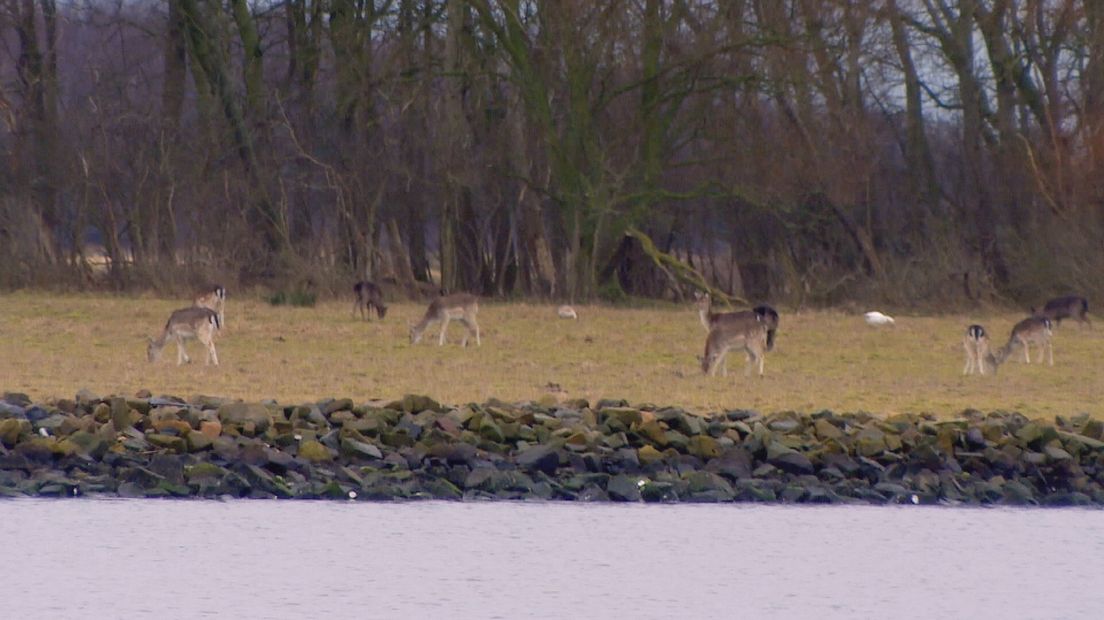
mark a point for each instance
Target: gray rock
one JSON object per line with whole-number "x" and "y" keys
{"x": 793, "y": 462}
{"x": 624, "y": 488}
{"x": 544, "y": 458}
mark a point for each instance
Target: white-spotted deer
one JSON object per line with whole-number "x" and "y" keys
{"x": 213, "y": 298}
{"x": 978, "y": 352}
{"x": 456, "y": 307}
{"x": 368, "y": 296}
{"x": 186, "y": 323}
{"x": 748, "y": 333}
{"x": 1036, "y": 330}
{"x": 1069, "y": 307}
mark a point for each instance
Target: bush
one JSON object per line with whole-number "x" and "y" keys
{"x": 301, "y": 299}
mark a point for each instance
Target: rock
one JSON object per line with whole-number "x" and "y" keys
{"x": 648, "y": 455}
{"x": 170, "y": 442}
{"x": 198, "y": 442}
{"x": 870, "y": 442}
{"x": 211, "y": 428}
{"x": 792, "y": 462}
{"x": 627, "y": 416}
{"x": 415, "y": 403}
{"x": 544, "y": 458}
{"x": 11, "y": 429}
{"x": 10, "y": 411}
{"x": 243, "y": 413}
{"x": 1093, "y": 429}
{"x": 359, "y": 448}
{"x": 624, "y": 488}
{"x": 703, "y": 446}
{"x": 1056, "y": 453}
{"x": 340, "y": 404}
{"x": 121, "y": 415}
{"x": 826, "y": 430}
{"x": 314, "y": 452}
{"x": 489, "y": 429}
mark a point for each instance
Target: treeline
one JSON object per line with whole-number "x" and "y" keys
{"x": 795, "y": 151}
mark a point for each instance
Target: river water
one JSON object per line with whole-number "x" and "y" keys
{"x": 109, "y": 558}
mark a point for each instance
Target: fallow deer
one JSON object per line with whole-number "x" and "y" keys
{"x": 184, "y": 324}
{"x": 1068, "y": 307}
{"x": 1035, "y": 330}
{"x": 978, "y": 353}
{"x": 368, "y": 296}
{"x": 213, "y": 298}
{"x": 765, "y": 314}
{"x": 748, "y": 333}
{"x": 456, "y": 307}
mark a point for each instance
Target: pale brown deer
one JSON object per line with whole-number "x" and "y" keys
{"x": 1034, "y": 330}
{"x": 765, "y": 314}
{"x": 213, "y": 298}
{"x": 978, "y": 353}
{"x": 456, "y": 307}
{"x": 748, "y": 333}
{"x": 187, "y": 323}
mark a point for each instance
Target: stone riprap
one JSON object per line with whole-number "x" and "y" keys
{"x": 415, "y": 448}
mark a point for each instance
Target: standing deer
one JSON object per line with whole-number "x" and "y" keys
{"x": 1070, "y": 306}
{"x": 766, "y": 315}
{"x": 1035, "y": 330}
{"x": 456, "y": 307}
{"x": 183, "y": 324}
{"x": 368, "y": 296}
{"x": 748, "y": 333}
{"x": 213, "y": 298}
{"x": 978, "y": 353}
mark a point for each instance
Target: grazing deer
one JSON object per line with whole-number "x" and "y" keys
{"x": 765, "y": 314}
{"x": 749, "y": 333}
{"x": 368, "y": 296}
{"x": 213, "y": 298}
{"x": 194, "y": 322}
{"x": 456, "y": 307}
{"x": 566, "y": 312}
{"x": 978, "y": 353}
{"x": 1035, "y": 330}
{"x": 1070, "y": 306}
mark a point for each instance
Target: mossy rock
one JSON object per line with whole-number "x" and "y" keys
{"x": 314, "y": 452}
{"x": 242, "y": 413}
{"x": 12, "y": 429}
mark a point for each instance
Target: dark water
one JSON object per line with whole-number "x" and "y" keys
{"x": 274, "y": 559}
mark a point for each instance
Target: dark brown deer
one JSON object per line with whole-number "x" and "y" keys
{"x": 1068, "y": 307}
{"x": 368, "y": 296}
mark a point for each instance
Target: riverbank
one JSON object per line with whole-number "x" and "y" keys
{"x": 417, "y": 448}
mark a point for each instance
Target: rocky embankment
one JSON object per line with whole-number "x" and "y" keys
{"x": 415, "y": 448}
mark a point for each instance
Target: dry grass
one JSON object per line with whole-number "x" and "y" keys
{"x": 54, "y": 345}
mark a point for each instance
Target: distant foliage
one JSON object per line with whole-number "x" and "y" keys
{"x": 293, "y": 298}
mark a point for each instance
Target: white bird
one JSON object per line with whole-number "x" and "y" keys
{"x": 566, "y": 312}
{"x": 877, "y": 318}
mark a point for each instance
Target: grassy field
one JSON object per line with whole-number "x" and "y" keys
{"x": 51, "y": 346}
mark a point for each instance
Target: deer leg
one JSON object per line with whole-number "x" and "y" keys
{"x": 969, "y": 362}
{"x": 1027, "y": 353}
{"x": 181, "y": 354}
{"x": 475, "y": 326}
{"x": 444, "y": 327}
